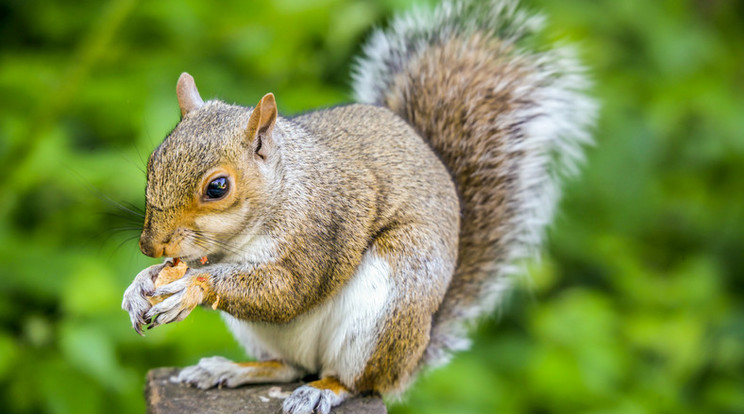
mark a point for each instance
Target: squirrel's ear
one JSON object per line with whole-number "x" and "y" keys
{"x": 260, "y": 126}
{"x": 188, "y": 95}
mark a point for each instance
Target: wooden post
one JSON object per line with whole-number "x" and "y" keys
{"x": 166, "y": 397}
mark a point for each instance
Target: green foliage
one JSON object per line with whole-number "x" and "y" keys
{"x": 636, "y": 306}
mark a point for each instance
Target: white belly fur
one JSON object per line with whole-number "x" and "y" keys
{"x": 334, "y": 338}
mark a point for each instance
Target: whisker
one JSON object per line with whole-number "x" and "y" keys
{"x": 223, "y": 246}
{"x": 102, "y": 238}
{"x": 129, "y": 219}
{"x": 204, "y": 241}
{"x": 128, "y": 207}
{"x": 221, "y": 233}
{"x": 134, "y": 207}
{"x": 125, "y": 228}
{"x": 127, "y": 240}
{"x": 123, "y": 206}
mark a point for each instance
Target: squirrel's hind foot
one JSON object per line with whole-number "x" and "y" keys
{"x": 218, "y": 371}
{"x": 316, "y": 397}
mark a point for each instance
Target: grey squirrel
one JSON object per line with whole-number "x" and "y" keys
{"x": 360, "y": 242}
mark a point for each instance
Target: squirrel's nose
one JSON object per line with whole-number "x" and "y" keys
{"x": 150, "y": 248}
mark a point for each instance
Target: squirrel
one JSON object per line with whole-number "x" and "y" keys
{"x": 359, "y": 243}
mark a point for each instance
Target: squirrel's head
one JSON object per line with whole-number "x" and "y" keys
{"x": 207, "y": 182}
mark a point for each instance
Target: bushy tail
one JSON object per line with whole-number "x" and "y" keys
{"x": 506, "y": 116}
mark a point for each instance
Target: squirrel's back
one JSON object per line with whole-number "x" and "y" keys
{"x": 506, "y": 119}
{"x": 377, "y": 160}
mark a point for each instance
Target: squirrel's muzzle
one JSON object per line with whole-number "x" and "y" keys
{"x": 149, "y": 247}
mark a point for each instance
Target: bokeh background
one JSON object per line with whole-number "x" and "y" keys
{"x": 635, "y": 307}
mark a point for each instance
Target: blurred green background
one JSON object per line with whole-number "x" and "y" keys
{"x": 636, "y": 306}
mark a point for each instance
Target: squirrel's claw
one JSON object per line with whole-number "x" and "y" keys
{"x": 166, "y": 311}
{"x": 172, "y": 288}
{"x": 135, "y": 297}
{"x": 137, "y": 324}
{"x": 316, "y": 397}
{"x": 185, "y": 295}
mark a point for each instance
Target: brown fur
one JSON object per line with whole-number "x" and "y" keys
{"x": 471, "y": 143}
{"x": 442, "y": 188}
{"x": 359, "y": 193}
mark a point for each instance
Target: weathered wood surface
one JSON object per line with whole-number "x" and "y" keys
{"x": 165, "y": 397}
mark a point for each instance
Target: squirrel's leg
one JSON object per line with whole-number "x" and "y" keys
{"x": 218, "y": 371}
{"x": 422, "y": 262}
{"x": 316, "y": 397}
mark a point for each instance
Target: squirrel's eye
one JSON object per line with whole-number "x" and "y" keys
{"x": 217, "y": 188}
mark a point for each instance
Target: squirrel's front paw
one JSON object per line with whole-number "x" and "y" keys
{"x": 183, "y": 294}
{"x": 135, "y": 297}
